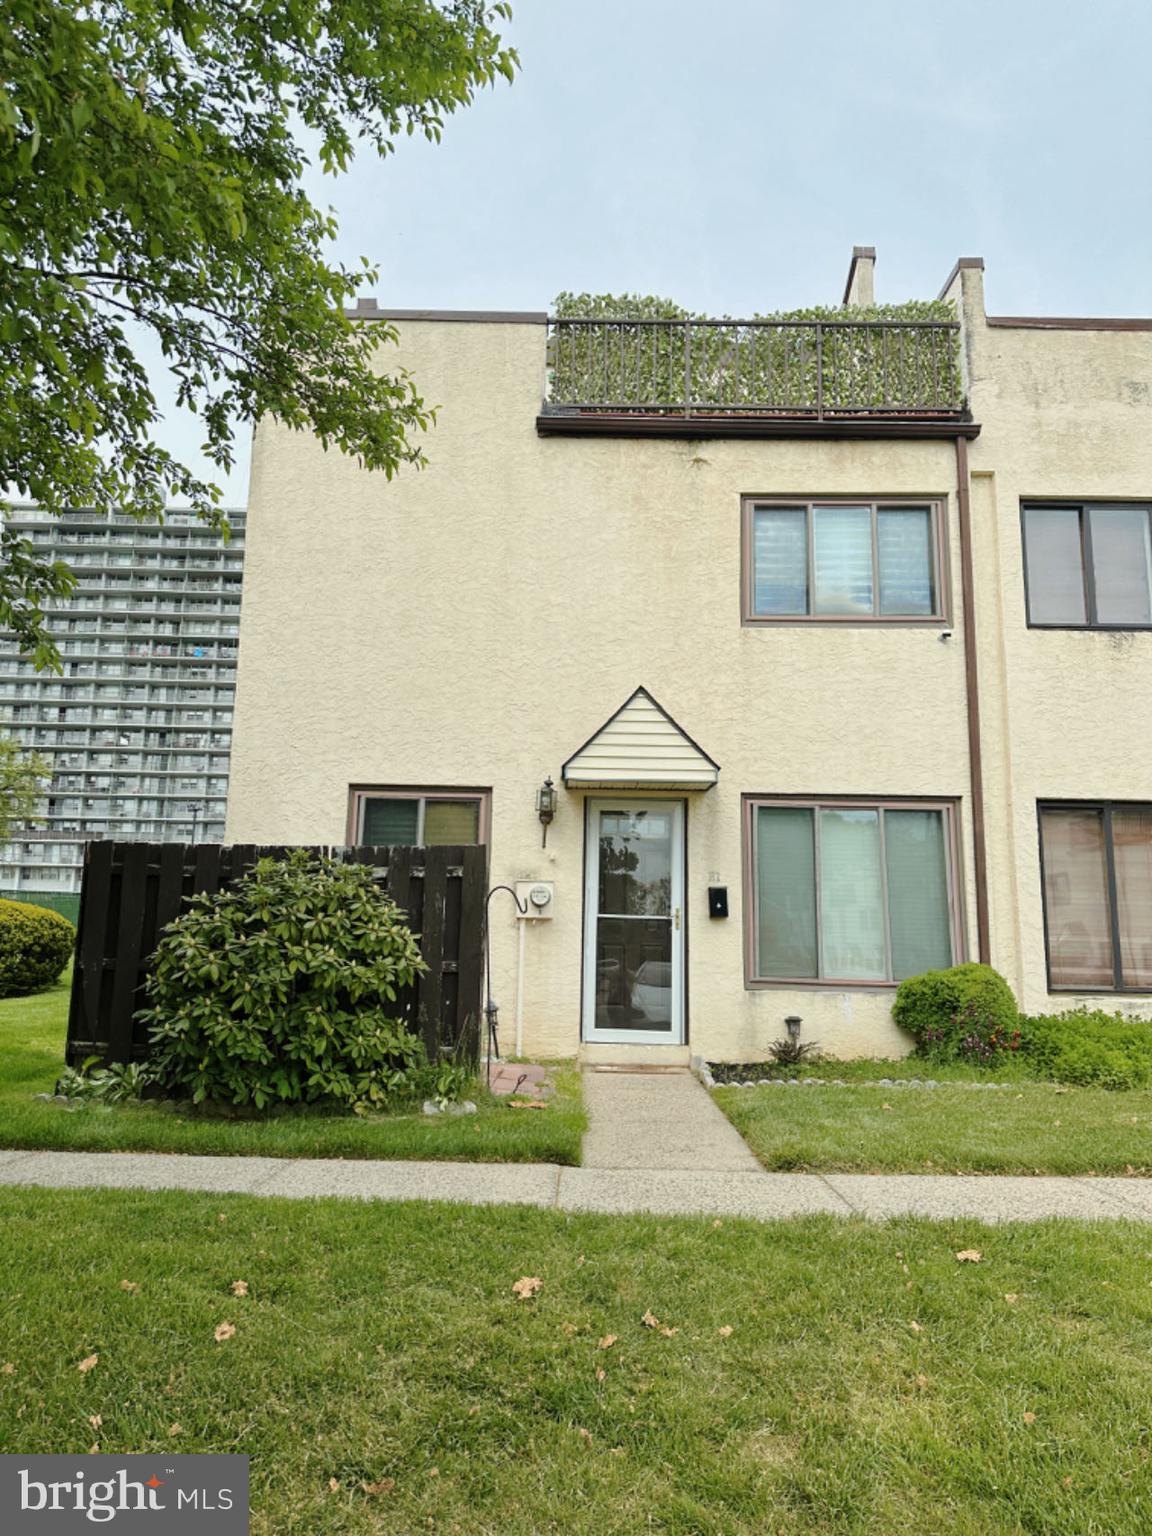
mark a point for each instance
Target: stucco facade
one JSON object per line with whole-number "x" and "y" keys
{"x": 471, "y": 625}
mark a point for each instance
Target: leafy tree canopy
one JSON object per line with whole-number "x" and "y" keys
{"x": 23, "y": 779}
{"x": 151, "y": 156}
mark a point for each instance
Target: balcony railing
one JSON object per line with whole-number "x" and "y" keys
{"x": 819, "y": 369}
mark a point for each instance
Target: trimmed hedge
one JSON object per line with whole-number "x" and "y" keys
{"x": 967, "y": 1011}
{"x": 1090, "y": 1048}
{"x": 35, "y": 946}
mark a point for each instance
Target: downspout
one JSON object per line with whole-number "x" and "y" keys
{"x": 971, "y": 684}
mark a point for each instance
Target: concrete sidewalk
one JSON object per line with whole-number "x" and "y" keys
{"x": 664, "y": 1191}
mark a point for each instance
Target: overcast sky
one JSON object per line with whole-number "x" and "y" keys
{"x": 730, "y": 154}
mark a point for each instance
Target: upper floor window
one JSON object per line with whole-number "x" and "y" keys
{"x": 849, "y": 892}
{"x": 1097, "y": 868}
{"x": 418, "y": 818}
{"x": 834, "y": 560}
{"x": 1088, "y": 565}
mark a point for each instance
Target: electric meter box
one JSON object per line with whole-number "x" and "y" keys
{"x": 539, "y": 896}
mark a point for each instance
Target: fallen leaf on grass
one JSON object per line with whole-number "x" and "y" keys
{"x": 95, "y": 1420}
{"x": 1010, "y": 1297}
{"x": 175, "y": 1429}
{"x": 1029, "y": 1418}
{"x": 585, "y": 1435}
{"x": 717, "y": 1223}
{"x": 9, "y": 1369}
{"x": 333, "y": 1485}
{"x": 970, "y": 1256}
{"x": 607, "y": 1341}
{"x": 239, "y": 1287}
{"x": 569, "y": 1328}
{"x": 385, "y": 1485}
{"x": 669, "y": 1333}
{"x": 132, "y": 1286}
{"x": 87, "y": 1363}
{"x": 916, "y": 1327}
{"x": 528, "y": 1285}
{"x": 433, "y": 1471}
{"x": 726, "y": 1331}
{"x": 921, "y": 1381}
{"x": 527, "y": 1103}
{"x": 93, "y": 1450}
{"x": 650, "y": 1320}
{"x": 885, "y": 1106}
{"x": 601, "y": 1373}
{"x": 1066, "y": 1482}
{"x": 224, "y": 1331}
{"x": 579, "y": 1261}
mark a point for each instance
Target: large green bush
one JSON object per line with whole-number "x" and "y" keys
{"x": 1090, "y": 1048}
{"x": 967, "y": 1011}
{"x": 35, "y": 945}
{"x": 278, "y": 990}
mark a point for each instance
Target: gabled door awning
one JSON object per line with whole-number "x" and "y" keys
{"x": 640, "y": 747}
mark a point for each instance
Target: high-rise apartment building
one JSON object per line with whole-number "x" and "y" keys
{"x": 138, "y": 727}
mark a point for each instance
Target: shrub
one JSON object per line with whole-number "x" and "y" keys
{"x": 965, "y": 1011}
{"x": 35, "y": 945}
{"x": 1090, "y": 1048}
{"x": 276, "y": 990}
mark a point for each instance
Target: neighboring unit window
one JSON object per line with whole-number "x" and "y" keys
{"x": 410, "y": 819}
{"x": 871, "y": 561}
{"x": 1098, "y": 896}
{"x": 850, "y": 892}
{"x": 1089, "y": 566}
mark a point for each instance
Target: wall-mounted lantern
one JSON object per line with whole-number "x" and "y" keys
{"x": 546, "y": 807}
{"x": 792, "y": 1024}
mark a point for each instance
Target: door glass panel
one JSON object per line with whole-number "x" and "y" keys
{"x": 1055, "y": 566}
{"x": 851, "y": 895}
{"x": 1132, "y": 850}
{"x": 1122, "y": 565}
{"x": 633, "y": 979}
{"x": 1076, "y": 899}
{"x": 842, "y": 559}
{"x": 636, "y": 863}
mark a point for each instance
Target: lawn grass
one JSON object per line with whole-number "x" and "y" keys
{"x": 32, "y": 1031}
{"x": 871, "y": 1383}
{"x": 1028, "y": 1127}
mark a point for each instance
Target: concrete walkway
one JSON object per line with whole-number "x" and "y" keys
{"x": 656, "y": 1143}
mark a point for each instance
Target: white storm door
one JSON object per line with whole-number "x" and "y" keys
{"x": 634, "y": 922}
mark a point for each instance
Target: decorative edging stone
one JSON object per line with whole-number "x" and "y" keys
{"x": 703, "y": 1071}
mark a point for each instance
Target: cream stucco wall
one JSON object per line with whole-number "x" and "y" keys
{"x": 470, "y": 625}
{"x": 1064, "y": 413}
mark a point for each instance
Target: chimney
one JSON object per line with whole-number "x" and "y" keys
{"x": 861, "y": 285}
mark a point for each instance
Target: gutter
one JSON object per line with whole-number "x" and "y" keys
{"x": 971, "y": 684}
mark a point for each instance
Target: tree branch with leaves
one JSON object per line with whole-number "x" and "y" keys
{"x": 151, "y": 162}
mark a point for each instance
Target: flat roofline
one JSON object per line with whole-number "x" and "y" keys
{"x": 367, "y": 309}
{"x": 1068, "y": 323}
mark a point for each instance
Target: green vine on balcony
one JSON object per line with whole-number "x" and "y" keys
{"x": 887, "y": 357}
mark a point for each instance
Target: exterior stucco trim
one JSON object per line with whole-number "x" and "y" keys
{"x": 696, "y": 428}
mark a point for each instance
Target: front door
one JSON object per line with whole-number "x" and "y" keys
{"x": 633, "y": 922}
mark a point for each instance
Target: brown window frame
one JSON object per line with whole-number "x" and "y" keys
{"x": 936, "y": 505}
{"x": 358, "y": 794}
{"x": 1082, "y": 506}
{"x": 950, "y": 809}
{"x": 1106, "y": 808}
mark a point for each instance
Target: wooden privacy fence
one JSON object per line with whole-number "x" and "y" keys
{"x": 132, "y": 891}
